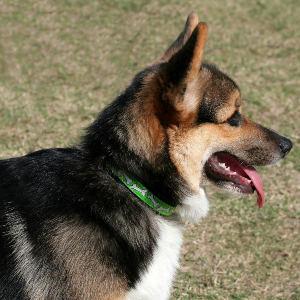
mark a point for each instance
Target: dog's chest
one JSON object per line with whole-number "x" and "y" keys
{"x": 156, "y": 282}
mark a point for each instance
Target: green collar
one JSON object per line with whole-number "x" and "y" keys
{"x": 139, "y": 190}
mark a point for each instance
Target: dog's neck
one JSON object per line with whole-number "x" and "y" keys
{"x": 192, "y": 209}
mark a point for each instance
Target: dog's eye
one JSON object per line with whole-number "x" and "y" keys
{"x": 235, "y": 119}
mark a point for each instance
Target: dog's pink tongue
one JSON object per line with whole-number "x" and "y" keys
{"x": 257, "y": 182}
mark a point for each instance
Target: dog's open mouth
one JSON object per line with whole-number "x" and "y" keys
{"x": 222, "y": 167}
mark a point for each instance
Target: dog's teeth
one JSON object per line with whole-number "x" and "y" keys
{"x": 233, "y": 173}
{"x": 216, "y": 158}
{"x": 222, "y": 165}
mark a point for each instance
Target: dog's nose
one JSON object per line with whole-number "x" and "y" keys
{"x": 285, "y": 146}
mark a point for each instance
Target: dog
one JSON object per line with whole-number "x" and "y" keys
{"x": 104, "y": 220}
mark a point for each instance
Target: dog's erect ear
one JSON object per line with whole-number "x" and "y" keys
{"x": 190, "y": 25}
{"x": 179, "y": 75}
{"x": 184, "y": 65}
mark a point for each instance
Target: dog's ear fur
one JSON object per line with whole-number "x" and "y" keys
{"x": 179, "y": 77}
{"x": 190, "y": 25}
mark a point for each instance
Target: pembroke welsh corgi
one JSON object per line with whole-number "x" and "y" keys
{"x": 103, "y": 220}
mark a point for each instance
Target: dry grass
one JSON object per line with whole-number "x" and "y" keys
{"x": 62, "y": 61}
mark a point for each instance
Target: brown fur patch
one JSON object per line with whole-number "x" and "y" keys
{"x": 201, "y": 31}
{"x": 146, "y": 134}
{"x": 75, "y": 248}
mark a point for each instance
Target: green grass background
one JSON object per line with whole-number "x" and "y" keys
{"x": 61, "y": 62}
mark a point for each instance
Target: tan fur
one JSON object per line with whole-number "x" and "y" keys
{"x": 193, "y": 95}
{"x": 190, "y": 147}
{"x": 75, "y": 245}
{"x": 201, "y": 31}
{"x": 186, "y": 148}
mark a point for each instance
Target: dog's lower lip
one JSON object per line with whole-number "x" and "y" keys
{"x": 241, "y": 189}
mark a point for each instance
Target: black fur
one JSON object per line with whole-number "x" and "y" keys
{"x": 58, "y": 184}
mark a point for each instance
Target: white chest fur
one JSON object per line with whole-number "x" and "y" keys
{"x": 156, "y": 282}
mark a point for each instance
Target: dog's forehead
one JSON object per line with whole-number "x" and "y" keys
{"x": 219, "y": 85}
{"x": 221, "y": 95}
{"x": 229, "y": 107}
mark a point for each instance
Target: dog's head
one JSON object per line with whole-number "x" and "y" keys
{"x": 191, "y": 113}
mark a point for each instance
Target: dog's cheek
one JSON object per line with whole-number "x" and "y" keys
{"x": 186, "y": 150}
{"x": 190, "y": 148}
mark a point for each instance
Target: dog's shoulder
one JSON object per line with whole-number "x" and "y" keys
{"x": 78, "y": 218}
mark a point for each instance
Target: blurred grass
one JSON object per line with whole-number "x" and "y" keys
{"x": 61, "y": 62}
